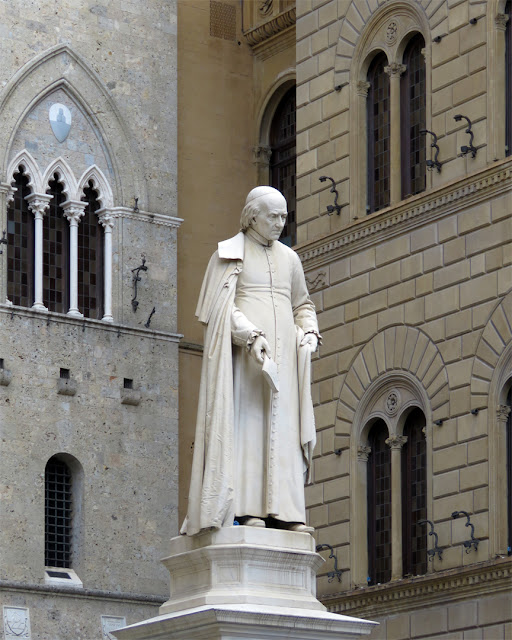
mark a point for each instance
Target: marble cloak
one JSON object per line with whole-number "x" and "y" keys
{"x": 211, "y": 494}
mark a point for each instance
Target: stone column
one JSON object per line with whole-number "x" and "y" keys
{"x": 360, "y": 535}
{"x": 394, "y": 71}
{"x": 73, "y": 211}
{"x": 107, "y": 221}
{"x": 395, "y": 443}
{"x": 6, "y": 197}
{"x": 361, "y": 151}
{"x": 38, "y": 203}
{"x": 502, "y": 507}
{"x": 499, "y": 97}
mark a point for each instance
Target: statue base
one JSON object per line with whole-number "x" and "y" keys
{"x": 244, "y": 582}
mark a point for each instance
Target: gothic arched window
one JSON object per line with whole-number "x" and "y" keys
{"x": 90, "y": 258}
{"x": 20, "y": 245}
{"x": 282, "y": 160}
{"x": 58, "y": 514}
{"x": 414, "y": 495}
{"x": 413, "y": 118}
{"x": 56, "y": 251}
{"x": 509, "y": 470}
{"x": 378, "y": 135}
{"x": 379, "y": 505}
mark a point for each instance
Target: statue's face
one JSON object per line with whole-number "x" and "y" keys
{"x": 271, "y": 218}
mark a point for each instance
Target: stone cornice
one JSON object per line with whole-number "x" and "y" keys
{"x": 88, "y": 323}
{"x": 450, "y": 586}
{"x": 272, "y": 27}
{"x": 146, "y": 216}
{"x": 407, "y": 215}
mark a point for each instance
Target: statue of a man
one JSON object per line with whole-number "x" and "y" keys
{"x": 255, "y": 429}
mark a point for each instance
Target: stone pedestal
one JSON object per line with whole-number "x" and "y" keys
{"x": 244, "y": 582}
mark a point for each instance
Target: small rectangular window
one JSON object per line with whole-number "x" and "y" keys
{"x": 64, "y": 374}
{"x": 128, "y": 383}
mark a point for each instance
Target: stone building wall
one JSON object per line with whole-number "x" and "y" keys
{"x": 114, "y": 66}
{"x": 413, "y": 299}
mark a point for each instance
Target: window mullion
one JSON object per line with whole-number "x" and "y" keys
{"x": 38, "y": 203}
{"x": 395, "y": 443}
{"x": 73, "y": 211}
{"x": 394, "y": 71}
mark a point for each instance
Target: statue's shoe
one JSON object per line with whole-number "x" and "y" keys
{"x": 253, "y": 522}
{"x": 303, "y": 528}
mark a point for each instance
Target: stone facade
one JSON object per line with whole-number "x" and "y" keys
{"x": 115, "y": 413}
{"x": 413, "y": 300}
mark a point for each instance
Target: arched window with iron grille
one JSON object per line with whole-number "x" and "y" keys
{"x": 379, "y": 505}
{"x": 56, "y": 251}
{"x": 413, "y": 118}
{"x": 58, "y": 513}
{"x": 283, "y": 160}
{"x": 20, "y": 245}
{"x": 414, "y": 495}
{"x": 90, "y": 257}
{"x": 378, "y": 135}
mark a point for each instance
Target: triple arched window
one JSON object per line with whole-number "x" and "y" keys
{"x": 58, "y": 248}
{"x": 395, "y": 118}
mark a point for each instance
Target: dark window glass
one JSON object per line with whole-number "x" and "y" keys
{"x": 508, "y": 79}
{"x": 55, "y": 252}
{"x": 509, "y": 470}
{"x": 282, "y": 160}
{"x": 413, "y": 119}
{"x": 379, "y": 506}
{"x": 58, "y": 514}
{"x": 90, "y": 258}
{"x": 20, "y": 245}
{"x": 414, "y": 496}
{"x": 378, "y": 108}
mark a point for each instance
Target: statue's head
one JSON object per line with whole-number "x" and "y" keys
{"x": 265, "y": 211}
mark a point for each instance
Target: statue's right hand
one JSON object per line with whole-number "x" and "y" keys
{"x": 259, "y": 349}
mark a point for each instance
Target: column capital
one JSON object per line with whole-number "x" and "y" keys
{"x": 503, "y": 412}
{"x": 38, "y": 203}
{"x": 9, "y": 192}
{"x": 261, "y": 154}
{"x": 362, "y": 88}
{"x": 395, "y": 69}
{"x": 363, "y": 451}
{"x": 501, "y": 20}
{"x": 106, "y": 218}
{"x": 74, "y": 210}
{"x": 396, "y": 442}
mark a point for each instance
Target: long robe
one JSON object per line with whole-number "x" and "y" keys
{"x": 253, "y": 447}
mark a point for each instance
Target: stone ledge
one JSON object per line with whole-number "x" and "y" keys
{"x": 411, "y": 594}
{"x": 409, "y": 214}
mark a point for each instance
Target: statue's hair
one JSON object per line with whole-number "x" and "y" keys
{"x": 252, "y": 205}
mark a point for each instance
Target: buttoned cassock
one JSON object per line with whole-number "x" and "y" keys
{"x": 253, "y": 448}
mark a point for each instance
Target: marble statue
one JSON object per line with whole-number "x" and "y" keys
{"x": 255, "y": 430}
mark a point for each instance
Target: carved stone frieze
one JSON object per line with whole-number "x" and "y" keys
{"x": 271, "y": 28}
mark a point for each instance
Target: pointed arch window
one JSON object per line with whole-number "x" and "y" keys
{"x": 20, "y": 244}
{"x": 413, "y": 118}
{"x": 378, "y": 135}
{"x": 282, "y": 160}
{"x": 379, "y": 505}
{"x": 90, "y": 257}
{"x": 56, "y": 251}
{"x": 414, "y": 495}
{"x": 508, "y": 437}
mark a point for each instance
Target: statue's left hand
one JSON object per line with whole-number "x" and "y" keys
{"x": 311, "y": 340}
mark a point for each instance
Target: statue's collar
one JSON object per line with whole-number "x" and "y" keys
{"x": 254, "y": 235}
